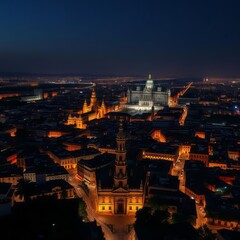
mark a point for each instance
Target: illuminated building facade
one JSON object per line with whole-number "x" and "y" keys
{"x": 118, "y": 190}
{"x": 69, "y": 159}
{"x": 88, "y": 112}
{"x": 149, "y": 97}
{"x": 162, "y": 151}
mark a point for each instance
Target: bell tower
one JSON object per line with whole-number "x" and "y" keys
{"x": 93, "y": 101}
{"x": 120, "y": 175}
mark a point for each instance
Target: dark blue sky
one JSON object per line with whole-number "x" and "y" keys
{"x": 165, "y": 38}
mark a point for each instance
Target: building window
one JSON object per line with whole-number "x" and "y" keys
{"x": 109, "y": 208}
{"x": 136, "y": 208}
{"x": 103, "y": 208}
{"x": 130, "y": 208}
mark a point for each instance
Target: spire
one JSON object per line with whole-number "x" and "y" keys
{"x": 103, "y": 103}
{"x": 85, "y": 106}
{"x": 103, "y": 107}
{"x": 149, "y": 76}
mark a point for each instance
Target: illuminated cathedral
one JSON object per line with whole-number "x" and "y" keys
{"x": 89, "y": 112}
{"x": 119, "y": 187}
{"x": 148, "y": 97}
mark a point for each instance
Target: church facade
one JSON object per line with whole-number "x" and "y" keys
{"x": 117, "y": 193}
{"x": 150, "y": 96}
{"x": 89, "y": 112}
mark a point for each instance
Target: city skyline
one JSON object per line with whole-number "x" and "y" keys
{"x": 119, "y": 159}
{"x": 119, "y": 120}
{"x": 166, "y": 39}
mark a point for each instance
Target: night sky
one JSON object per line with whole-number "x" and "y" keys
{"x": 165, "y": 38}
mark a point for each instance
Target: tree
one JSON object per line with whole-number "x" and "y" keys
{"x": 24, "y": 189}
{"x": 160, "y": 216}
{"x": 151, "y": 224}
{"x": 180, "y": 217}
{"x": 143, "y": 216}
{"x": 156, "y": 203}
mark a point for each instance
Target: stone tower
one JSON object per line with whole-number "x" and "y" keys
{"x": 115, "y": 194}
{"x": 120, "y": 175}
{"x": 85, "y": 106}
{"x": 93, "y": 101}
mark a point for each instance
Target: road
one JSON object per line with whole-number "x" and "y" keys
{"x": 174, "y": 99}
{"x": 120, "y": 223}
{"x": 178, "y": 171}
{"x": 201, "y": 220}
{"x": 178, "y": 167}
{"x": 184, "y": 116}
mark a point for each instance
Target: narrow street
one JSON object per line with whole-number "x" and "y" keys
{"x": 178, "y": 171}
{"x": 201, "y": 220}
